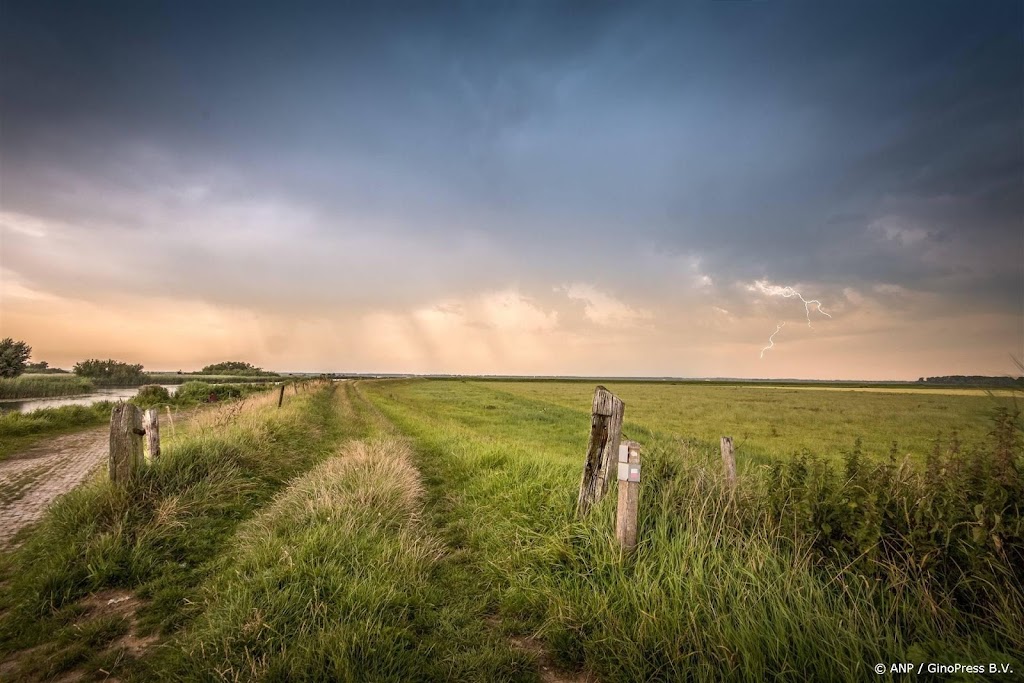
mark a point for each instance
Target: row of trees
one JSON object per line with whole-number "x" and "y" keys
{"x": 14, "y": 356}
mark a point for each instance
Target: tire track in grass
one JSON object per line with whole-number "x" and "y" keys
{"x": 446, "y": 477}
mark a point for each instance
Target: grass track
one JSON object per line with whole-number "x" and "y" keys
{"x": 715, "y": 592}
{"x": 416, "y": 531}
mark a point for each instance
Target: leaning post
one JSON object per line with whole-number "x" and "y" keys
{"x": 605, "y": 435}
{"x": 629, "y": 495}
{"x": 280, "y": 397}
{"x": 151, "y": 425}
{"x": 125, "y": 441}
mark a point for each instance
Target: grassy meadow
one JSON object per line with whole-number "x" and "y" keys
{"x": 413, "y": 530}
{"x": 770, "y": 422}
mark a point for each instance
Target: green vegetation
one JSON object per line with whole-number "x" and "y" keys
{"x": 20, "y": 430}
{"x": 440, "y": 541}
{"x": 14, "y": 356}
{"x": 152, "y": 394}
{"x": 805, "y": 568}
{"x": 770, "y": 422}
{"x": 236, "y": 367}
{"x": 110, "y": 372}
{"x": 44, "y": 386}
{"x": 176, "y": 378}
{"x": 157, "y": 534}
{"x": 42, "y": 367}
{"x": 351, "y": 529}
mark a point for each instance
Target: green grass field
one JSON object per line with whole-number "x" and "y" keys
{"x": 426, "y": 530}
{"x": 782, "y": 421}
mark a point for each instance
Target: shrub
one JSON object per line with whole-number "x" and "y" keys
{"x": 203, "y": 392}
{"x": 110, "y": 371}
{"x": 152, "y": 394}
{"x": 235, "y": 367}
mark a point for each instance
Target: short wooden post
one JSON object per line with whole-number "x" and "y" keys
{"x": 605, "y": 435}
{"x": 729, "y": 460}
{"x": 151, "y": 424}
{"x": 280, "y": 397}
{"x": 125, "y": 441}
{"x": 629, "y": 495}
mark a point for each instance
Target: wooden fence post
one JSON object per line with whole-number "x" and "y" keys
{"x": 125, "y": 441}
{"x": 151, "y": 424}
{"x": 280, "y": 397}
{"x": 729, "y": 460}
{"x": 629, "y": 495}
{"x": 605, "y": 434}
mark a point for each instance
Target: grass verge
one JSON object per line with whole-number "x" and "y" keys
{"x": 156, "y": 535}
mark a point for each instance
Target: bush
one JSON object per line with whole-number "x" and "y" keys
{"x": 152, "y": 394}
{"x": 204, "y": 392}
{"x": 236, "y": 367}
{"x": 110, "y": 372}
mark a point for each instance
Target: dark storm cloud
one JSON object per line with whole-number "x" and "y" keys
{"x": 868, "y": 142}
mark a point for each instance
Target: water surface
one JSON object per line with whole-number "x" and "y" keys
{"x": 27, "y": 405}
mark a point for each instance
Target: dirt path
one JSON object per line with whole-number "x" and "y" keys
{"x": 34, "y": 478}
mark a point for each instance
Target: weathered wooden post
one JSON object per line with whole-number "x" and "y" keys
{"x": 605, "y": 434}
{"x": 125, "y": 441}
{"x": 629, "y": 495}
{"x": 151, "y": 425}
{"x": 280, "y": 397}
{"x": 729, "y": 460}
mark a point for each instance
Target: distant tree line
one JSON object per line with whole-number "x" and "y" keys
{"x": 975, "y": 380}
{"x": 15, "y": 354}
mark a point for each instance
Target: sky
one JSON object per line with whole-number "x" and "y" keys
{"x": 591, "y": 188}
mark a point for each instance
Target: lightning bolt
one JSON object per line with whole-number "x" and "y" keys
{"x": 771, "y": 339}
{"x": 787, "y": 293}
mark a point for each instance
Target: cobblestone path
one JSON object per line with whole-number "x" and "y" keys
{"x": 34, "y": 478}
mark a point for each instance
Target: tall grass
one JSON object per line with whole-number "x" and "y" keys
{"x": 43, "y": 386}
{"x": 157, "y": 534}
